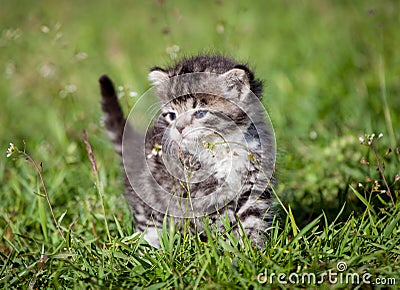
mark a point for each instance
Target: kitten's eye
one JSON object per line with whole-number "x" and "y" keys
{"x": 200, "y": 114}
{"x": 170, "y": 116}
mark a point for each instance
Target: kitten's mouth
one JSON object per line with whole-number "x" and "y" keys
{"x": 187, "y": 152}
{"x": 199, "y": 135}
{"x": 195, "y": 143}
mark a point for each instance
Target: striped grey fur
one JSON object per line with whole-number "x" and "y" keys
{"x": 227, "y": 114}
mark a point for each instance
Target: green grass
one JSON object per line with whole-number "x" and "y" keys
{"x": 331, "y": 72}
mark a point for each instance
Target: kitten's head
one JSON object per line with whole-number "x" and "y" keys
{"x": 205, "y": 107}
{"x": 206, "y": 100}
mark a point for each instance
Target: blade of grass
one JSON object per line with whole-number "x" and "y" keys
{"x": 98, "y": 183}
{"x": 200, "y": 275}
{"x": 292, "y": 222}
{"x": 389, "y": 229}
{"x": 42, "y": 218}
{"x": 304, "y": 230}
{"x": 362, "y": 199}
{"x": 120, "y": 231}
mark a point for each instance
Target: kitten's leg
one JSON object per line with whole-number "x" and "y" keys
{"x": 114, "y": 122}
{"x": 255, "y": 216}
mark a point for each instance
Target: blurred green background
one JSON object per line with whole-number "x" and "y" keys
{"x": 331, "y": 71}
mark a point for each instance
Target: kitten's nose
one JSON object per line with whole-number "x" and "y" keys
{"x": 179, "y": 127}
{"x": 182, "y": 122}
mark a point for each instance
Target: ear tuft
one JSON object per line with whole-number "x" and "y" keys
{"x": 236, "y": 74}
{"x": 157, "y": 76}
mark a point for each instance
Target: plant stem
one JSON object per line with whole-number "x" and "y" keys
{"x": 98, "y": 183}
{"x": 386, "y": 108}
{"x": 380, "y": 169}
{"x": 38, "y": 170}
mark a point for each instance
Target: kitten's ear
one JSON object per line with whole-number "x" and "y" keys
{"x": 236, "y": 74}
{"x": 157, "y": 76}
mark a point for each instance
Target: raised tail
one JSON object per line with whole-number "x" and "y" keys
{"x": 114, "y": 120}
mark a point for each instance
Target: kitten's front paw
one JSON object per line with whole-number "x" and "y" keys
{"x": 151, "y": 235}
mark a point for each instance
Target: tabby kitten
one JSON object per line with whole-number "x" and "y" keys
{"x": 210, "y": 151}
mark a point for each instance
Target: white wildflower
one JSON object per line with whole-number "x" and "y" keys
{"x": 70, "y": 88}
{"x": 313, "y": 135}
{"x": 220, "y": 28}
{"x": 380, "y": 135}
{"x": 57, "y": 26}
{"x": 121, "y": 92}
{"x": 173, "y": 51}
{"x": 125, "y": 90}
{"x": 58, "y": 36}
{"x": 81, "y": 56}
{"x": 45, "y": 29}
{"x": 10, "y": 69}
{"x": 157, "y": 150}
{"x": 47, "y": 70}
{"x": 11, "y": 150}
{"x": 133, "y": 94}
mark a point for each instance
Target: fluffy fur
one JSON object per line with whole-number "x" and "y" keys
{"x": 210, "y": 144}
